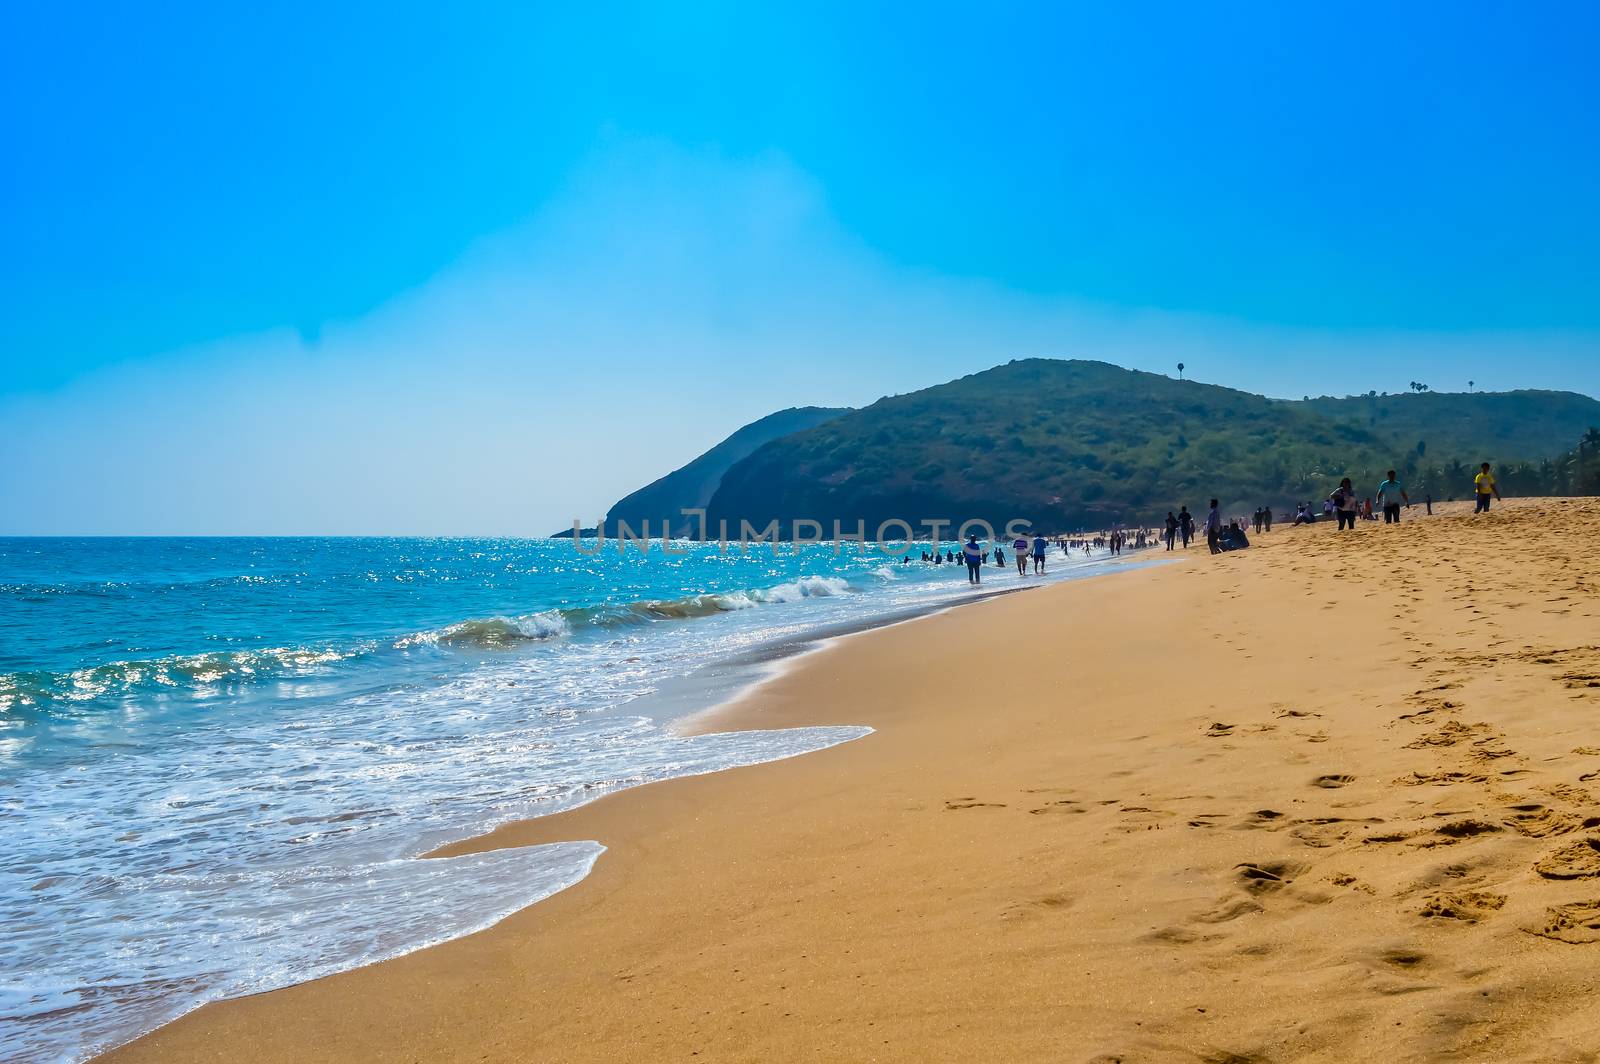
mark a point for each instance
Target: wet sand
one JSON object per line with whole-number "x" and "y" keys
{"x": 1334, "y": 798}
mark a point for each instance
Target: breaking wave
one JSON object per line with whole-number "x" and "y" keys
{"x": 191, "y": 671}
{"x": 218, "y": 669}
{"x": 495, "y": 633}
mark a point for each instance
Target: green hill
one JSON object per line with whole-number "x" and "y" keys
{"x": 1066, "y": 444}
{"x": 692, "y": 486}
{"x": 1074, "y": 444}
{"x": 1479, "y": 427}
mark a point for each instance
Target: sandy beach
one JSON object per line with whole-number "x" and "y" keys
{"x": 1334, "y": 798}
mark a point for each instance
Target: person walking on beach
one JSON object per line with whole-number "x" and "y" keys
{"x": 974, "y": 557}
{"x": 1343, "y": 499}
{"x": 1214, "y": 528}
{"x": 1020, "y": 549}
{"x": 1185, "y": 525}
{"x": 1172, "y": 529}
{"x": 1266, "y": 519}
{"x": 1039, "y": 546}
{"x": 1484, "y": 485}
{"x": 1389, "y": 495}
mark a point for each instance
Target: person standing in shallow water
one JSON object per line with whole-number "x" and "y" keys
{"x": 974, "y": 559}
{"x": 1039, "y": 547}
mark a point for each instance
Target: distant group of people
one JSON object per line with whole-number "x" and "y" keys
{"x": 1222, "y": 534}
{"x": 1029, "y": 553}
{"x": 1344, "y": 506}
{"x": 975, "y": 556}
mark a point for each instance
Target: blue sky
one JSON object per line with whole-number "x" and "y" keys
{"x": 482, "y": 268}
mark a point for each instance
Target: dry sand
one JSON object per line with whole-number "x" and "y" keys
{"x": 1334, "y": 798}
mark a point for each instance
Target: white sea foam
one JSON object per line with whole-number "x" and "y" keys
{"x": 199, "y": 856}
{"x": 806, "y": 587}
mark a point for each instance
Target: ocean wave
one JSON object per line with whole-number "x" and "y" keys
{"x": 190, "y": 671}
{"x": 494, "y": 633}
{"x": 806, "y": 587}
{"x": 199, "y": 672}
{"x": 503, "y": 632}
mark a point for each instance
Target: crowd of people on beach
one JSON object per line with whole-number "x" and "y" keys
{"x": 1343, "y": 505}
{"x": 1030, "y": 553}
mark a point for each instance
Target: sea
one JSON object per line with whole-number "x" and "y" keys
{"x": 222, "y": 759}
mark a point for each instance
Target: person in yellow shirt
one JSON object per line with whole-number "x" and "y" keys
{"x": 1485, "y": 485}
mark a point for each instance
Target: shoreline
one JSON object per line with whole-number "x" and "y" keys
{"x": 777, "y": 659}
{"x": 953, "y": 884}
{"x": 708, "y": 689}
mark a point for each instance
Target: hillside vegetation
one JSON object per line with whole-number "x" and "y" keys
{"x": 692, "y": 486}
{"x": 1076, "y": 444}
{"x": 1066, "y": 444}
{"x": 1482, "y": 427}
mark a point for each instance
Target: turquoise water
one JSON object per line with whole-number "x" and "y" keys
{"x": 221, "y": 758}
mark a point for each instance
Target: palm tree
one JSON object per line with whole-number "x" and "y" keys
{"x": 1470, "y": 384}
{"x": 1180, "y": 371}
{"x": 1412, "y": 386}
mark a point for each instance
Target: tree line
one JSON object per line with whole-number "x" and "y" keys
{"x": 1577, "y": 472}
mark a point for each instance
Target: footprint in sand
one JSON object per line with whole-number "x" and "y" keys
{"x": 1566, "y": 792}
{"x": 1467, "y": 906}
{"x": 1061, "y": 805}
{"x": 1449, "y": 734}
{"x": 1539, "y": 821}
{"x": 1577, "y": 924}
{"x": 1577, "y": 860}
{"x": 1467, "y": 828}
{"x": 971, "y": 803}
{"x": 1324, "y": 831}
{"x": 1333, "y": 780}
{"x": 1227, "y": 910}
{"x": 1263, "y": 877}
{"x": 1440, "y": 779}
{"x": 1177, "y": 936}
{"x": 1219, "y": 729}
{"x": 1345, "y": 879}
